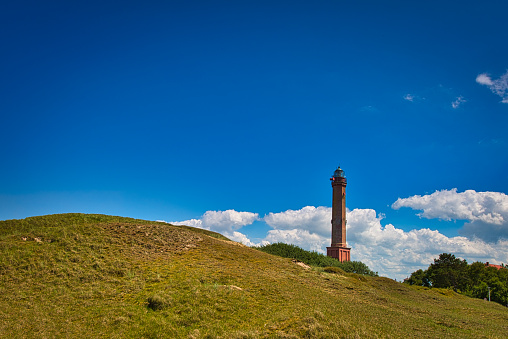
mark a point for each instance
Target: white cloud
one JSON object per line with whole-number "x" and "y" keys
{"x": 489, "y": 207}
{"x": 192, "y": 222}
{"x": 310, "y": 218}
{"x": 396, "y": 253}
{"x": 228, "y": 220}
{"x": 484, "y": 79}
{"x": 224, "y": 222}
{"x": 486, "y": 211}
{"x": 413, "y": 97}
{"x": 221, "y": 221}
{"x": 409, "y": 97}
{"x": 460, "y": 100}
{"x": 497, "y": 86}
{"x": 240, "y": 237}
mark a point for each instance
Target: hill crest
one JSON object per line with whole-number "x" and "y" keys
{"x": 96, "y": 275}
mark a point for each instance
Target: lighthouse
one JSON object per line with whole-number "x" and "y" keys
{"x": 338, "y": 249}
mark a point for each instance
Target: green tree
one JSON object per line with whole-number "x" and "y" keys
{"x": 498, "y": 291}
{"x": 419, "y": 278}
{"x": 448, "y": 271}
{"x": 481, "y": 290}
{"x": 475, "y": 273}
{"x": 475, "y": 280}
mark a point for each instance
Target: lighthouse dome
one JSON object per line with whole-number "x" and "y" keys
{"x": 339, "y": 173}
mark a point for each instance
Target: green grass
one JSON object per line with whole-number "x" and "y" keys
{"x": 77, "y": 275}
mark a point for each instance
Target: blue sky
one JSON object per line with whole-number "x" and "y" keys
{"x": 172, "y": 110}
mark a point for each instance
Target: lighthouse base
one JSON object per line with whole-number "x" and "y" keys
{"x": 340, "y": 253}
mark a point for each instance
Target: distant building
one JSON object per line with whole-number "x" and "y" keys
{"x": 495, "y": 266}
{"x": 338, "y": 249}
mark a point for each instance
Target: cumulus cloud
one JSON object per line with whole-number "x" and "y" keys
{"x": 221, "y": 221}
{"x": 241, "y": 238}
{"x": 409, "y": 97}
{"x": 486, "y": 211}
{"x": 484, "y": 79}
{"x": 396, "y": 253}
{"x": 310, "y": 218}
{"x": 489, "y": 207}
{"x": 460, "y": 100}
{"x": 228, "y": 220}
{"x": 191, "y": 222}
{"x": 497, "y": 86}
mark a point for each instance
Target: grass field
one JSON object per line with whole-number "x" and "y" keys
{"x": 78, "y": 275}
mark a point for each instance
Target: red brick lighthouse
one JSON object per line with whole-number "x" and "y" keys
{"x": 338, "y": 249}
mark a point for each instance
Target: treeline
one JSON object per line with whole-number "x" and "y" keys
{"x": 473, "y": 280}
{"x": 315, "y": 259}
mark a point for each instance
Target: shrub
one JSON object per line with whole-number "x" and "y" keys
{"x": 360, "y": 277}
{"x": 315, "y": 259}
{"x": 335, "y": 270}
{"x": 157, "y": 302}
{"x": 295, "y": 252}
{"x": 357, "y": 267}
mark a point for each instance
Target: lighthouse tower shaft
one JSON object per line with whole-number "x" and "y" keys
{"x": 338, "y": 248}
{"x": 339, "y": 213}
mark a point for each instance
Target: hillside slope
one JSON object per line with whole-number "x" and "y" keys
{"x": 78, "y": 275}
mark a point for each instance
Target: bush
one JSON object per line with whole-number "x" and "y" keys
{"x": 157, "y": 302}
{"x": 357, "y": 267}
{"x": 335, "y": 270}
{"x": 295, "y": 252}
{"x": 315, "y": 259}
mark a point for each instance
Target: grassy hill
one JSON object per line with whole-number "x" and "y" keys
{"x": 79, "y": 275}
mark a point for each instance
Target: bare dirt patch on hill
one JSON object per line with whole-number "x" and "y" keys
{"x": 150, "y": 239}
